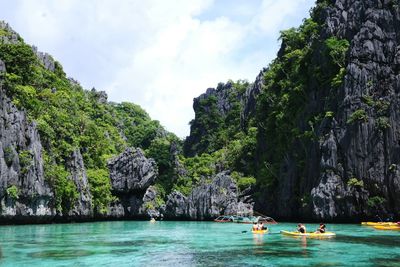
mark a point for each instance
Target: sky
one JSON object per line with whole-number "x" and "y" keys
{"x": 159, "y": 54}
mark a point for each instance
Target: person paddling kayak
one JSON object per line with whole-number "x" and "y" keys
{"x": 301, "y": 228}
{"x": 321, "y": 229}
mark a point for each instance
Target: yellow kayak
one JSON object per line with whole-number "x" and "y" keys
{"x": 379, "y": 223}
{"x": 259, "y": 231}
{"x": 384, "y": 227}
{"x": 327, "y": 234}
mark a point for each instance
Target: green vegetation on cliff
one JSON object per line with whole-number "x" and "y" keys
{"x": 306, "y": 63}
{"x": 70, "y": 119}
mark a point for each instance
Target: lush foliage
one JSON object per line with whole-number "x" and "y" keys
{"x": 214, "y": 126}
{"x": 13, "y": 192}
{"x": 69, "y": 119}
{"x": 358, "y": 115}
{"x": 355, "y": 183}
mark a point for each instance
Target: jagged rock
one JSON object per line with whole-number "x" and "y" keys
{"x": 211, "y": 200}
{"x": 100, "y": 95}
{"x": 83, "y": 206}
{"x": 12, "y": 37}
{"x": 250, "y": 98}
{"x": 215, "y": 104}
{"x": 2, "y": 67}
{"x": 115, "y": 210}
{"x": 150, "y": 206}
{"x": 132, "y": 171}
{"x": 176, "y": 206}
{"x": 21, "y": 166}
{"x": 179, "y": 169}
{"x": 47, "y": 60}
{"x": 363, "y": 149}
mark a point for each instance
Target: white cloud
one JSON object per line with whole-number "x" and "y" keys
{"x": 158, "y": 54}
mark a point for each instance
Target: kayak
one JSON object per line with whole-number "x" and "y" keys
{"x": 391, "y": 227}
{"x": 378, "y": 223}
{"x": 259, "y": 231}
{"x": 327, "y": 234}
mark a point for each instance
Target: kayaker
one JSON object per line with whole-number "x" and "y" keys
{"x": 301, "y": 228}
{"x": 262, "y": 226}
{"x": 255, "y": 226}
{"x": 321, "y": 229}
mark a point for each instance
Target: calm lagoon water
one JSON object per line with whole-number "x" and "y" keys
{"x": 140, "y": 243}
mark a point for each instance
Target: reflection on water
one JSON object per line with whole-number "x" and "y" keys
{"x": 191, "y": 244}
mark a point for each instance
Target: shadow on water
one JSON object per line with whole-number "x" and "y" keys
{"x": 128, "y": 243}
{"x": 61, "y": 254}
{"x": 387, "y": 262}
{"x": 209, "y": 258}
{"x": 376, "y": 240}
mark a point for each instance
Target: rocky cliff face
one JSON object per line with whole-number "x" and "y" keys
{"x": 351, "y": 168}
{"x": 215, "y": 110}
{"x": 132, "y": 171}
{"x": 366, "y": 149}
{"x": 250, "y": 99}
{"x": 132, "y": 175}
{"x": 209, "y": 200}
{"x": 83, "y": 206}
{"x": 24, "y": 193}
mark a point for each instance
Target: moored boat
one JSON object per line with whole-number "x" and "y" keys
{"x": 224, "y": 219}
{"x": 245, "y": 219}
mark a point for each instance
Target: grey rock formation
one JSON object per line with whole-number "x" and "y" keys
{"x": 364, "y": 150}
{"x": 131, "y": 171}
{"x": 21, "y": 167}
{"x": 208, "y": 201}
{"x": 346, "y": 150}
{"x": 250, "y": 98}
{"x": 176, "y": 206}
{"x": 150, "y": 206}
{"x": 179, "y": 169}
{"x": 11, "y": 37}
{"x": 83, "y": 206}
{"x": 211, "y": 112}
{"x": 100, "y": 95}
{"x": 47, "y": 60}
{"x": 2, "y": 67}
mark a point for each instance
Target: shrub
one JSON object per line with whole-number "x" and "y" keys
{"x": 329, "y": 114}
{"x": 383, "y": 123}
{"x": 375, "y": 201}
{"x": 100, "y": 188}
{"x": 25, "y": 161}
{"x": 243, "y": 182}
{"x": 358, "y": 115}
{"x": 8, "y": 155}
{"x": 13, "y": 192}
{"x": 354, "y": 182}
{"x": 337, "y": 50}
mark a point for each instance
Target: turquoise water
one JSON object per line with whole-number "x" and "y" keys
{"x": 135, "y": 243}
